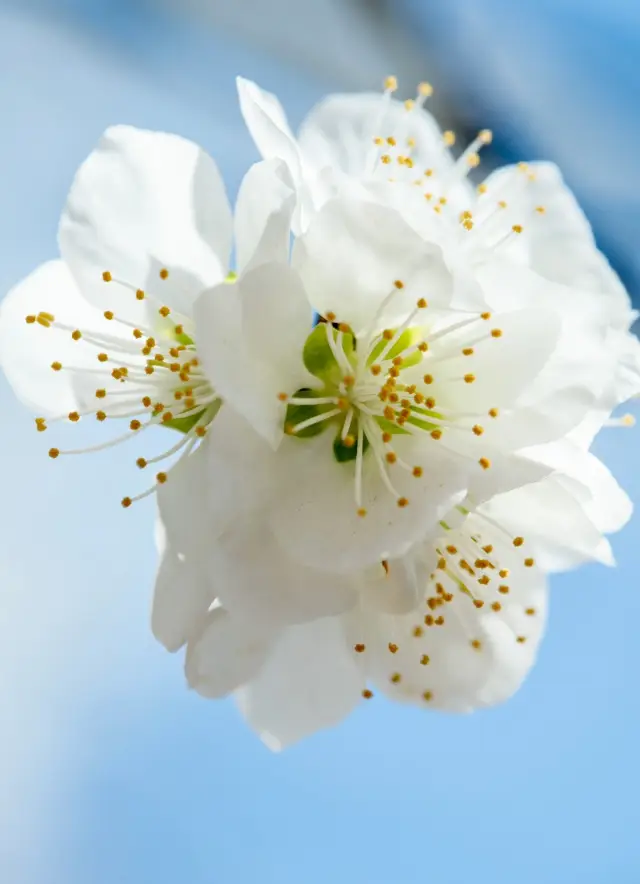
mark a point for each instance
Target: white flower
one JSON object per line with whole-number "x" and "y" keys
{"x": 396, "y": 153}
{"x": 109, "y": 331}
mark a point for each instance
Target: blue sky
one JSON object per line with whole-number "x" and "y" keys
{"x": 111, "y": 771}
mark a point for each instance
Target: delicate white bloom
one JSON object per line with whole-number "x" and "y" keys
{"x": 109, "y": 331}
{"x": 396, "y": 153}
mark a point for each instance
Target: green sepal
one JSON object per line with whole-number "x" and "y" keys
{"x": 318, "y": 356}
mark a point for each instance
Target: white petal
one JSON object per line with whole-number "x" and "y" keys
{"x": 182, "y": 596}
{"x": 250, "y": 337}
{"x": 315, "y": 514}
{"x": 353, "y": 254}
{"x": 27, "y": 350}
{"x": 267, "y": 124}
{"x": 141, "y": 202}
{"x": 309, "y": 682}
{"x": 225, "y": 655}
{"x": 258, "y": 580}
{"x": 264, "y": 209}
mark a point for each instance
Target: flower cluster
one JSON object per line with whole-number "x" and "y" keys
{"x": 382, "y": 412}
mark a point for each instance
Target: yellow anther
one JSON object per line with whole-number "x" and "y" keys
{"x": 411, "y": 142}
{"x": 135, "y": 425}
{"x": 473, "y": 160}
{"x": 409, "y": 104}
{"x": 385, "y": 158}
{"x": 476, "y": 644}
{"x": 391, "y": 457}
{"x": 179, "y": 330}
{"x": 362, "y": 512}
{"x": 425, "y": 659}
{"x": 106, "y": 276}
{"x": 102, "y": 357}
{"x": 30, "y": 319}
{"x": 485, "y": 316}
{"x": 396, "y": 678}
{"x": 146, "y": 401}
{"x": 422, "y": 303}
{"x": 393, "y": 648}
{"x": 140, "y": 295}
{"x": 467, "y": 351}
{"x": 41, "y": 424}
{"x": 478, "y": 430}
{"x": 425, "y": 89}
{"x": 478, "y": 603}
{"x": 467, "y": 224}
{"x": 76, "y": 335}
{"x": 482, "y": 188}
{"x": 398, "y": 283}
{"x": 141, "y": 462}
{"x": 529, "y": 563}
{"x": 449, "y": 138}
{"x": 530, "y": 612}
{"x": 330, "y": 316}
{"x": 391, "y": 83}
{"x": 518, "y": 541}
{"x": 427, "y": 696}
{"x": 349, "y": 441}
{"x": 493, "y": 412}
{"x": 348, "y": 380}
{"x": 126, "y": 502}
{"x": 378, "y": 140}
{"x": 359, "y": 648}
{"x": 201, "y": 432}
{"x": 167, "y": 417}
{"x": 282, "y": 397}
{"x": 164, "y": 273}
{"x": 418, "y": 631}
{"x": 74, "y": 417}
{"x": 56, "y": 366}
{"x": 436, "y": 434}
{"x": 485, "y": 463}
{"x": 402, "y": 502}
{"x": 486, "y": 136}
{"x": 54, "y": 452}
{"x": 504, "y": 589}
{"x": 164, "y": 311}
{"x": 101, "y": 415}
{"x": 443, "y": 201}
{"x": 423, "y": 347}
{"x": 161, "y": 478}
{"x": 540, "y": 210}
{"x": 367, "y": 694}
{"x": 391, "y": 141}
{"x": 517, "y": 228}
{"x": 504, "y": 573}
{"x": 469, "y": 378}
{"x": 521, "y": 639}
{"x": 496, "y": 606}
{"x": 428, "y": 378}
{"x": 387, "y": 334}
{"x": 100, "y": 394}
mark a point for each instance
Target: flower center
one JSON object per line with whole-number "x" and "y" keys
{"x": 144, "y": 375}
{"x": 374, "y": 391}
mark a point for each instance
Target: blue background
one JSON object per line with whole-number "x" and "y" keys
{"x": 110, "y": 771}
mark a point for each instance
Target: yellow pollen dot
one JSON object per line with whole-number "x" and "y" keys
{"x": 282, "y": 397}
{"x": 179, "y": 330}
{"x": 135, "y": 425}
{"x": 436, "y": 434}
{"x": 496, "y": 332}
{"x": 418, "y": 631}
{"x": 409, "y": 104}
{"x": 393, "y": 372}
{"x": 362, "y": 512}
{"x": 530, "y": 612}
{"x": 386, "y": 438}
{"x": 521, "y": 639}
{"x": 523, "y": 167}
{"x": 423, "y": 346}
{"x": 41, "y": 424}
{"x": 482, "y": 188}
{"x": 486, "y": 136}
{"x": 427, "y": 696}
{"x": 106, "y": 276}
{"x": 102, "y": 357}
{"x": 201, "y": 431}
{"x": 430, "y": 402}
{"x": 393, "y": 397}
{"x": 503, "y": 589}
{"x": 485, "y": 316}
{"x": 100, "y": 394}
{"x": 387, "y": 334}
{"x": 428, "y": 197}
{"x": 398, "y": 360}
{"x": 485, "y": 463}
{"x": 428, "y": 379}
{"x": 518, "y": 541}
{"x": 396, "y": 678}
{"x": 367, "y": 694}
{"x": 141, "y": 462}
{"x": 164, "y": 311}
{"x": 161, "y": 478}
{"x": 469, "y": 378}
{"x": 496, "y": 606}
{"x": 473, "y": 160}
{"x": 30, "y": 319}
{"x": 476, "y": 644}
{"x": 56, "y": 366}
{"x": 54, "y": 452}
{"x": 376, "y": 369}
{"x": 389, "y": 413}
{"x": 425, "y": 659}
{"x": 140, "y": 295}
{"x": 391, "y": 83}
{"x": 411, "y": 142}
{"x": 145, "y": 351}
{"x": 449, "y": 138}
{"x": 443, "y": 201}
{"x": 439, "y": 621}
{"x": 483, "y": 580}
{"x": 467, "y": 351}
{"x": 108, "y": 314}
{"x": 76, "y": 335}
{"x": 126, "y": 502}
{"x": 429, "y": 621}
{"x": 442, "y": 564}
{"x": 467, "y": 224}
{"x": 385, "y": 158}
{"x": 74, "y": 416}
{"x": 101, "y": 415}
{"x": 478, "y": 603}
{"x": 391, "y": 141}
{"x": 393, "y": 648}
{"x": 417, "y": 472}
{"x": 167, "y": 417}
{"x": 359, "y": 648}
{"x": 517, "y": 228}
{"x": 529, "y": 563}
{"x": 330, "y": 316}
{"x": 349, "y": 441}
{"x": 402, "y": 502}
{"x": 493, "y": 412}
{"x": 478, "y": 430}
{"x": 164, "y": 273}
{"x": 540, "y": 210}
{"x": 390, "y": 457}
{"x": 504, "y": 573}
{"x": 425, "y": 89}
{"x": 421, "y": 303}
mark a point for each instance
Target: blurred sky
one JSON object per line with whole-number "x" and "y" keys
{"x": 110, "y": 771}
